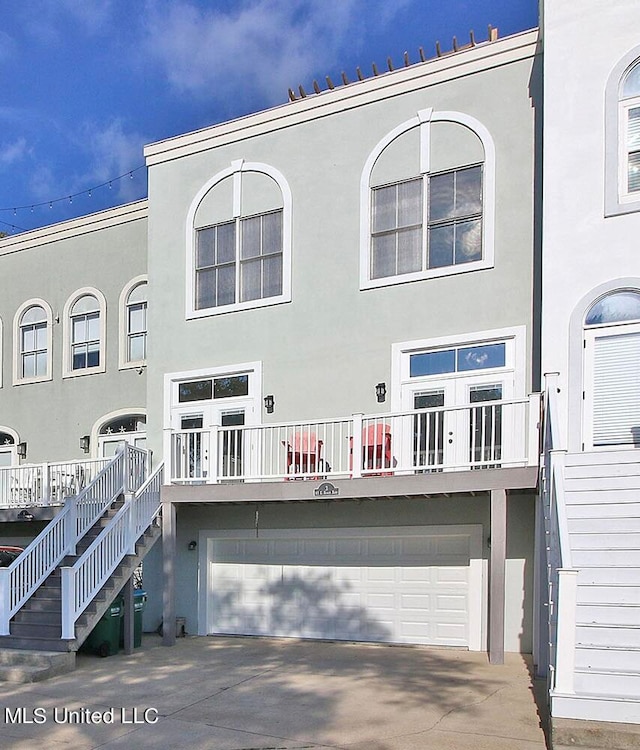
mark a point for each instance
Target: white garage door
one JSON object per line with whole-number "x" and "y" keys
{"x": 402, "y": 585}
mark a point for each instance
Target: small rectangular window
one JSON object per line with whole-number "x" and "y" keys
{"x": 481, "y": 357}
{"x": 432, "y": 363}
{"x": 196, "y": 390}
{"x": 235, "y": 385}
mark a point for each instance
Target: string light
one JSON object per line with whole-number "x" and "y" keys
{"x": 88, "y": 192}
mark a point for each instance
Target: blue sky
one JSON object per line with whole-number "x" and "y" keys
{"x": 86, "y": 83}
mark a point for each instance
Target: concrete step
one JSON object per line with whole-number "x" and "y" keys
{"x": 37, "y": 643}
{"x": 608, "y": 594}
{"x": 18, "y": 665}
{"x": 601, "y": 635}
{"x": 607, "y": 683}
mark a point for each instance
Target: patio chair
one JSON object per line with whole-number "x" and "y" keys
{"x": 376, "y": 449}
{"x": 304, "y": 454}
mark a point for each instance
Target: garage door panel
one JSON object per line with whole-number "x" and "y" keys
{"x": 392, "y": 590}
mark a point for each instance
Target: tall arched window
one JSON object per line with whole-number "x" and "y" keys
{"x": 85, "y": 313}
{"x": 239, "y": 241}
{"x": 427, "y": 200}
{"x": 133, "y": 323}
{"x": 33, "y": 342}
{"x": 612, "y": 371}
{"x": 630, "y": 133}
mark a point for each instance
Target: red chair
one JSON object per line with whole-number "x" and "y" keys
{"x": 304, "y": 454}
{"x": 376, "y": 449}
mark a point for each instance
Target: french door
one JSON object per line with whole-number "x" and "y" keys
{"x": 459, "y": 422}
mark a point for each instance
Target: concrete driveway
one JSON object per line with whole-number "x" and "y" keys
{"x": 268, "y": 694}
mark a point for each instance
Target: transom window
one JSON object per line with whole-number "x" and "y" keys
{"x": 33, "y": 343}
{"x": 137, "y": 324}
{"x": 204, "y": 390}
{"x": 618, "y": 307}
{"x": 239, "y": 260}
{"x": 85, "y": 333}
{"x": 630, "y": 127}
{"x": 461, "y": 359}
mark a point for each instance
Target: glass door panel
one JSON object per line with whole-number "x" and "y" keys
{"x": 485, "y": 426}
{"x": 428, "y": 431}
{"x": 232, "y": 443}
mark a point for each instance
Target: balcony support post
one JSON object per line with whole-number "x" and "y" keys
{"x": 127, "y": 593}
{"x": 497, "y": 575}
{"x": 169, "y": 575}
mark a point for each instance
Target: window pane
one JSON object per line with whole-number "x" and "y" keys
{"x": 234, "y": 385}
{"x": 196, "y": 390}
{"x": 384, "y": 209}
{"x": 205, "y": 289}
{"x": 41, "y": 363}
{"x": 79, "y": 330}
{"x": 618, "y": 307}
{"x": 481, "y": 357}
{"x": 251, "y": 273}
{"x": 41, "y": 336}
{"x": 272, "y": 233}
{"x": 251, "y": 235}
{"x": 28, "y": 339}
{"x": 634, "y": 172}
{"x": 432, "y": 363}
{"x": 226, "y": 243}
{"x": 137, "y": 322}
{"x": 468, "y": 191}
{"x": 468, "y": 241}
{"x": 226, "y": 292}
{"x": 631, "y": 86}
{"x": 34, "y": 314}
{"x": 633, "y": 129}
{"x": 93, "y": 327}
{"x": 428, "y": 400}
{"x": 137, "y": 347}
{"x": 28, "y": 366}
{"x": 138, "y": 294}
{"x": 205, "y": 244}
{"x": 383, "y": 256}
{"x": 441, "y": 196}
{"x": 272, "y": 276}
{"x": 85, "y": 304}
{"x": 409, "y": 250}
{"x": 410, "y": 203}
{"x": 440, "y": 246}
{"x": 79, "y": 357}
{"x": 480, "y": 393}
{"x": 93, "y": 355}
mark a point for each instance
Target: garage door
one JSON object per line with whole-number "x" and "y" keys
{"x": 403, "y": 585}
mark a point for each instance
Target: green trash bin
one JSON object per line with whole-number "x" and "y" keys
{"x": 104, "y": 639}
{"x": 139, "y": 603}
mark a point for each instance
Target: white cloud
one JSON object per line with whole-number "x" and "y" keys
{"x": 257, "y": 49}
{"x": 12, "y": 152}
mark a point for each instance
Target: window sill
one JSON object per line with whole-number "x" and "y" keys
{"x": 29, "y": 381}
{"x": 253, "y": 304}
{"x": 434, "y": 273}
{"x": 142, "y": 363}
{"x": 85, "y": 371}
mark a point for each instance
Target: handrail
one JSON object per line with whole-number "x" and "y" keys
{"x": 20, "y": 580}
{"x": 82, "y": 581}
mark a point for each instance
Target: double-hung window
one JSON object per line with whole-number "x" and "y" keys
{"x": 239, "y": 260}
{"x": 630, "y": 134}
{"x": 85, "y": 333}
{"x": 137, "y": 324}
{"x": 33, "y": 343}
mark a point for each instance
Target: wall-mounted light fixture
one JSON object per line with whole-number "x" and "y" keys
{"x": 268, "y": 404}
{"x": 24, "y": 515}
{"x": 21, "y": 450}
{"x": 192, "y": 545}
{"x": 85, "y": 443}
{"x": 381, "y": 392}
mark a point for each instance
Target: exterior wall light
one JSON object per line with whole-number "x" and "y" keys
{"x": 381, "y": 392}
{"x": 21, "y": 450}
{"x": 85, "y": 443}
{"x": 268, "y": 404}
{"x": 192, "y": 545}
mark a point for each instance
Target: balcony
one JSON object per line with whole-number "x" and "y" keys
{"x": 433, "y": 441}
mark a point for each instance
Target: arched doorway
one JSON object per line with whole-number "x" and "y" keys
{"x": 129, "y": 428}
{"x": 611, "y": 395}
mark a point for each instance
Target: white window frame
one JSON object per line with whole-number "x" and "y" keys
{"x": 67, "y": 358}
{"x": 104, "y": 419}
{"x": 18, "y": 379}
{"x": 515, "y": 359}
{"x": 235, "y": 171}
{"x": 422, "y": 120}
{"x": 625, "y": 195}
{"x": 124, "y": 363}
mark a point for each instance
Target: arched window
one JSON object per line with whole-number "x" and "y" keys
{"x": 630, "y": 133}
{"x": 133, "y": 323}
{"x": 8, "y": 450}
{"x": 427, "y": 195}
{"x": 33, "y": 342}
{"x": 239, "y": 240}
{"x": 118, "y": 429}
{"x": 85, "y": 332}
{"x": 612, "y": 371}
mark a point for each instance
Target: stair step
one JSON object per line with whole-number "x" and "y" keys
{"x": 607, "y": 683}
{"x": 598, "y": 634}
{"x": 37, "y": 630}
{"x": 38, "y": 617}
{"x": 14, "y": 657}
{"x": 37, "y": 644}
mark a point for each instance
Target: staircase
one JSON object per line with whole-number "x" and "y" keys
{"x": 56, "y": 609}
{"x": 602, "y": 506}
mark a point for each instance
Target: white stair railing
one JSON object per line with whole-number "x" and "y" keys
{"x": 562, "y": 577}
{"x": 82, "y": 582}
{"x": 20, "y": 580}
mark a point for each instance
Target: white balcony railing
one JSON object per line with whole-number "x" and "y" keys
{"x": 491, "y": 434}
{"x": 47, "y": 483}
